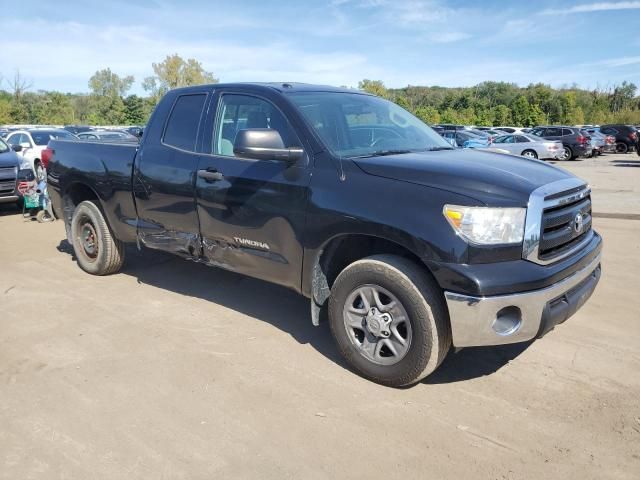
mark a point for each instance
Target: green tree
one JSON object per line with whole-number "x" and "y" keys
{"x": 375, "y": 87}
{"x": 134, "y": 110}
{"x": 428, "y": 115}
{"x": 53, "y": 108}
{"x": 107, "y": 89}
{"x": 5, "y": 111}
{"x": 501, "y": 115}
{"x": 536, "y": 115}
{"x": 174, "y": 72}
{"x": 109, "y": 84}
{"x": 520, "y": 112}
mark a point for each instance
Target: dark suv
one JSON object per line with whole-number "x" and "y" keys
{"x": 576, "y": 142}
{"x": 626, "y": 136}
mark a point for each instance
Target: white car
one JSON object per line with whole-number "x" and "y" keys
{"x": 33, "y": 141}
{"x": 529, "y": 146}
{"x": 510, "y": 129}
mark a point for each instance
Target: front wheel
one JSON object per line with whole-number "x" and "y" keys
{"x": 389, "y": 320}
{"x": 96, "y": 250}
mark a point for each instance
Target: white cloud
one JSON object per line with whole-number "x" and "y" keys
{"x": 593, "y": 7}
{"x": 450, "y": 37}
{"x": 616, "y": 62}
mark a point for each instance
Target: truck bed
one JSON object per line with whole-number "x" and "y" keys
{"x": 105, "y": 168}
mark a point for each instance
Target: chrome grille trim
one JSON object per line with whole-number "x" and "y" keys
{"x": 545, "y": 197}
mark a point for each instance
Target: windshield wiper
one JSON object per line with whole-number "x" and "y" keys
{"x": 382, "y": 153}
{"x": 437, "y": 149}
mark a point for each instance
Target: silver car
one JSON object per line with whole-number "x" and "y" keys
{"x": 529, "y": 146}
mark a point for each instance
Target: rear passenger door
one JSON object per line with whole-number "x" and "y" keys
{"x": 252, "y": 212}
{"x": 164, "y": 178}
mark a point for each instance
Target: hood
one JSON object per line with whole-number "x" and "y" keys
{"x": 9, "y": 159}
{"x": 491, "y": 178}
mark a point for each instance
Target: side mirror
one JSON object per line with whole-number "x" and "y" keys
{"x": 264, "y": 144}
{"x": 16, "y": 148}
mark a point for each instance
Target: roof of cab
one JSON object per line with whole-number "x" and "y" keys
{"x": 282, "y": 87}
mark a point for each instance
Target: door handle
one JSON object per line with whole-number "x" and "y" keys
{"x": 210, "y": 175}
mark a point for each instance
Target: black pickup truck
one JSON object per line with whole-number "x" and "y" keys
{"x": 410, "y": 246}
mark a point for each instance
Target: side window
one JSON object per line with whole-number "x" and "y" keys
{"x": 241, "y": 112}
{"x": 181, "y": 130}
{"x": 521, "y": 139}
{"x": 16, "y": 139}
{"x": 566, "y": 131}
{"x": 538, "y": 131}
{"x": 554, "y": 132}
{"x": 508, "y": 139}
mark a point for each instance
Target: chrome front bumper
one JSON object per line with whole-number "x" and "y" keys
{"x": 518, "y": 317}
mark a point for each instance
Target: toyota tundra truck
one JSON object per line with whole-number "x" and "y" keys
{"x": 408, "y": 246}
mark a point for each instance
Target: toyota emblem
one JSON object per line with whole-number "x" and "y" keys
{"x": 577, "y": 223}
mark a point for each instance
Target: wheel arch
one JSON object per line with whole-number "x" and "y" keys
{"x": 73, "y": 195}
{"x": 340, "y": 251}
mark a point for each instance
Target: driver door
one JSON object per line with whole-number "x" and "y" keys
{"x": 251, "y": 211}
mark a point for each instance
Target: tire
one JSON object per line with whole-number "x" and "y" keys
{"x": 96, "y": 250}
{"x": 622, "y": 147}
{"x": 567, "y": 154}
{"x": 529, "y": 154}
{"x": 38, "y": 170}
{"x": 43, "y": 216}
{"x": 426, "y": 328}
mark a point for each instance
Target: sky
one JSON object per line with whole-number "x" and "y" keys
{"x": 58, "y": 45}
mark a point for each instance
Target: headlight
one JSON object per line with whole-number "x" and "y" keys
{"x": 487, "y": 226}
{"x": 25, "y": 165}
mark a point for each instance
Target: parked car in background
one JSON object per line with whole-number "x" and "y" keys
{"x": 510, "y": 129}
{"x": 33, "y": 141}
{"x": 601, "y": 142}
{"x": 13, "y": 170}
{"x": 465, "y": 139}
{"x": 135, "y": 131}
{"x": 626, "y": 136}
{"x": 75, "y": 129}
{"x": 529, "y": 146}
{"x": 488, "y": 133}
{"x": 575, "y": 141}
{"x": 107, "y": 136}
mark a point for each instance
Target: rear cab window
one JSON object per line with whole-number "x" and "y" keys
{"x": 181, "y": 130}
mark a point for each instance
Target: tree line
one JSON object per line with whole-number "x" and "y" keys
{"x": 501, "y": 103}
{"x": 489, "y": 103}
{"x": 108, "y": 101}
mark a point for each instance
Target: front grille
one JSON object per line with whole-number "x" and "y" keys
{"x": 7, "y": 188}
{"x": 8, "y": 180}
{"x": 564, "y": 224}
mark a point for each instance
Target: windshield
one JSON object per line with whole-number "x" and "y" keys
{"x": 355, "y": 125}
{"x": 4, "y": 148}
{"x": 43, "y": 137}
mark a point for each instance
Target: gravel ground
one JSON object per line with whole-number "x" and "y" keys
{"x": 173, "y": 370}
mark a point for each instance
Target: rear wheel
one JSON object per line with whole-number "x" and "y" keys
{"x": 567, "y": 153}
{"x": 96, "y": 250}
{"x": 529, "y": 154}
{"x": 389, "y": 320}
{"x": 622, "y": 147}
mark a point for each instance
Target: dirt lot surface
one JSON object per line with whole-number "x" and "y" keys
{"x": 173, "y": 370}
